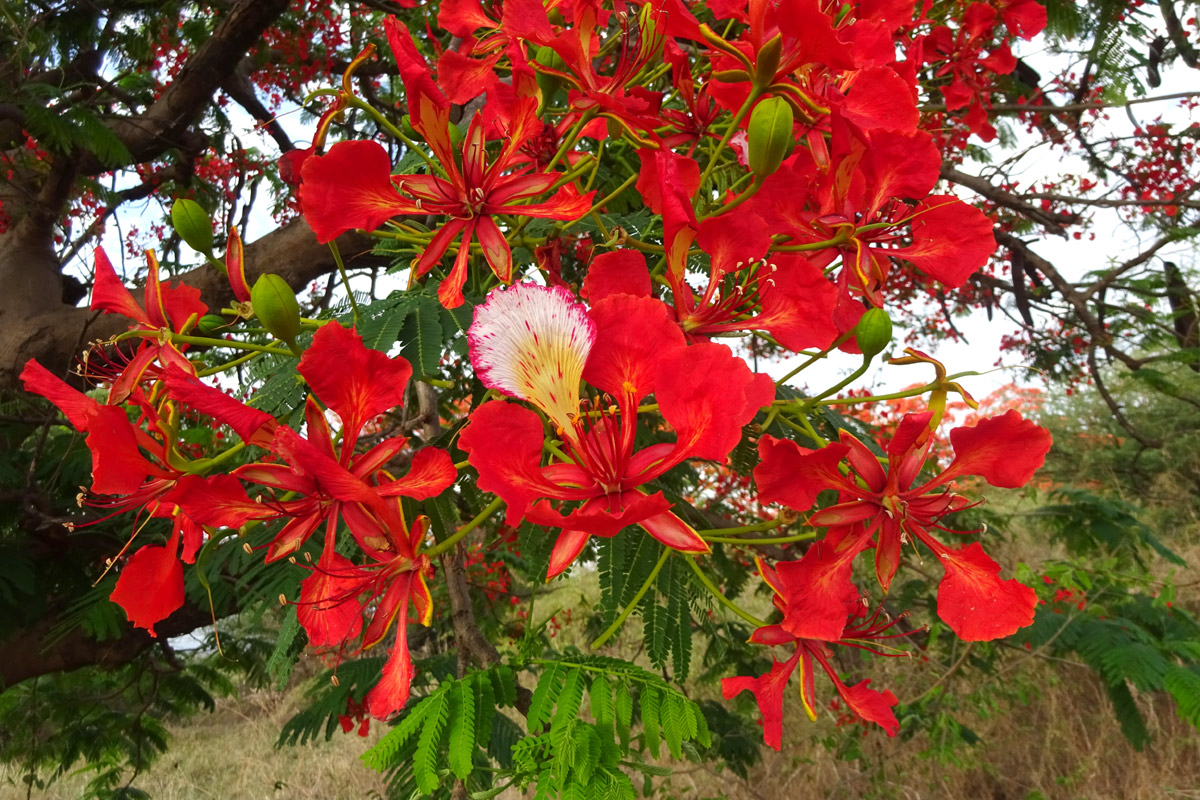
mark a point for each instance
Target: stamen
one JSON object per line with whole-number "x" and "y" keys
{"x": 531, "y": 342}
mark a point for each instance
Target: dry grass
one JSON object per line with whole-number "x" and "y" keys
{"x": 230, "y": 755}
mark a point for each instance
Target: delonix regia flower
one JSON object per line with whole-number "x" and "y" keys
{"x": 888, "y": 509}
{"x": 536, "y": 344}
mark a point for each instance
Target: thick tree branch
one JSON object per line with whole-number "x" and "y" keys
{"x": 184, "y": 101}
{"x": 1050, "y": 220}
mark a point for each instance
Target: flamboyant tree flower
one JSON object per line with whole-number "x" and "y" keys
{"x": 322, "y": 475}
{"x": 787, "y": 295}
{"x": 352, "y": 187}
{"x": 887, "y": 509}
{"x": 535, "y": 344}
{"x": 166, "y": 307}
{"x": 867, "y": 703}
{"x": 861, "y": 205}
{"x": 137, "y": 468}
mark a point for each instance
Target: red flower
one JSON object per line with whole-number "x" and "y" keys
{"x": 883, "y": 509}
{"x": 352, "y": 187}
{"x": 150, "y": 585}
{"x": 768, "y": 689}
{"x": 536, "y": 343}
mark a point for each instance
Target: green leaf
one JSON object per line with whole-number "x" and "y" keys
{"x": 544, "y": 697}
{"x": 505, "y": 684}
{"x": 485, "y": 705}
{"x": 462, "y": 730}
{"x": 1183, "y": 684}
{"x": 383, "y": 754}
{"x": 570, "y": 698}
{"x": 422, "y": 337}
{"x": 623, "y": 705}
{"x": 289, "y": 644}
{"x": 1132, "y": 724}
{"x": 675, "y": 721}
{"x": 600, "y": 698}
{"x": 650, "y": 704}
{"x": 429, "y": 743}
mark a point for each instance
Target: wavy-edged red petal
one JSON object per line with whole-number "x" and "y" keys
{"x": 632, "y": 335}
{"x": 354, "y": 381}
{"x": 1005, "y": 451}
{"x": 150, "y": 586}
{"x": 794, "y": 475}
{"x": 350, "y": 187}
{"x": 768, "y": 693}
{"x": 975, "y": 602}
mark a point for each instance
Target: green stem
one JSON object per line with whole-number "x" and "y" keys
{"x": 725, "y": 601}
{"x": 337, "y": 257}
{"x": 569, "y": 141}
{"x": 849, "y": 379}
{"x": 630, "y": 181}
{"x": 386, "y": 124}
{"x": 637, "y": 598}
{"x": 203, "y": 341}
{"x": 765, "y": 525}
{"x": 798, "y": 537}
{"x": 729, "y": 131}
{"x": 453, "y": 539}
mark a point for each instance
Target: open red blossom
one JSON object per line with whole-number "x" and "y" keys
{"x": 167, "y": 307}
{"x": 352, "y": 187}
{"x": 134, "y": 468}
{"x": 787, "y": 296}
{"x": 768, "y": 689}
{"x": 535, "y": 343}
{"x": 340, "y": 596}
{"x": 886, "y": 509}
{"x": 323, "y": 476}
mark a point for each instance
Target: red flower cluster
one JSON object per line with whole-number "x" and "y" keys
{"x": 789, "y": 184}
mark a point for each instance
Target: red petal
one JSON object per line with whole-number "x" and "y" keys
{"x": 150, "y": 587}
{"x": 76, "y": 406}
{"x": 632, "y": 335}
{"x": 880, "y": 100}
{"x": 1005, "y": 451}
{"x": 329, "y": 609}
{"x": 768, "y": 692}
{"x": 675, "y": 533}
{"x": 950, "y": 240}
{"x": 218, "y": 501}
{"x": 495, "y": 248}
{"x": 707, "y": 394}
{"x": 617, "y": 272}
{"x": 871, "y": 705}
{"x": 425, "y": 99}
{"x": 567, "y": 547}
{"x": 354, "y": 381}
{"x": 504, "y": 442}
{"x": 602, "y": 516}
{"x": 109, "y": 294}
{"x": 118, "y": 466}
{"x": 350, "y": 187}
{"x": 793, "y": 475}
{"x": 252, "y": 425}
{"x": 819, "y": 591}
{"x": 432, "y": 472}
{"x": 463, "y": 78}
{"x": 798, "y": 304}
{"x": 391, "y": 693}
{"x": 975, "y": 602}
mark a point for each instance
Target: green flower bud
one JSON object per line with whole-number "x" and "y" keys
{"x": 193, "y": 225}
{"x": 211, "y": 323}
{"x": 276, "y": 307}
{"x": 549, "y": 84}
{"x": 770, "y": 138}
{"x": 873, "y": 332}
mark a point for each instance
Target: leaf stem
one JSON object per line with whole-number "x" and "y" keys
{"x": 725, "y": 601}
{"x": 454, "y": 538}
{"x": 637, "y": 598}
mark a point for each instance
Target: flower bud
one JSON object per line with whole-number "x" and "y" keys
{"x": 769, "y": 138}
{"x": 549, "y": 84}
{"x": 211, "y": 323}
{"x": 193, "y": 225}
{"x": 873, "y": 332}
{"x": 276, "y": 307}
